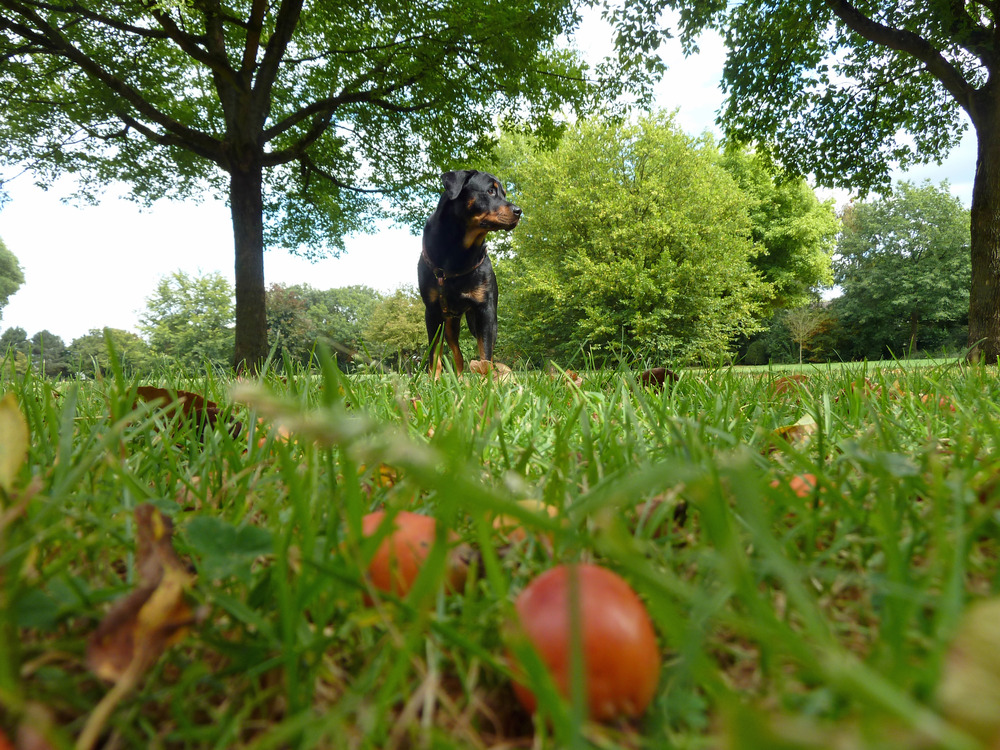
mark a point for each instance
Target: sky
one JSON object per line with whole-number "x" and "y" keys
{"x": 94, "y": 266}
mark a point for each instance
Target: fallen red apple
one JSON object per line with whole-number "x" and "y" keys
{"x": 802, "y": 485}
{"x": 621, "y": 660}
{"x": 402, "y": 553}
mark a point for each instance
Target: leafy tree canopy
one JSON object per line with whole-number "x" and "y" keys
{"x": 11, "y": 276}
{"x": 830, "y": 84}
{"x": 89, "y": 353}
{"x": 797, "y": 231}
{"x": 14, "y": 338}
{"x": 396, "y": 326}
{"x": 903, "y": 264}
{"x": 633, "y": 235}
{"x": 189, "y": 319}
{"x": 49, "y": 354}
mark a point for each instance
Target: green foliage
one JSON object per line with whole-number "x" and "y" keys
{"x": 288, "y": 323}
{"x": 832, "y": 102}
{"x": 300, "y": 316}
{"x": 89, "y": 354}
{"x": 395, "y": 330}
{"x": 49, "y": 355}
{"x": 11, "y": 276}
{"x": 634, "y": 236}
{"x": 903, "y": 264}
{"x": 340, "y": 316}
{"x": 797, "y": 231}
{"x": 189, "y": 319}
{"x": 164, "y": 91}
{"x": 14, "y": 338}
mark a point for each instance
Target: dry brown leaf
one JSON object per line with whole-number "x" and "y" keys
{"x": 656, "y": 377}
{"x": 797, "y": 433}
{"x": 484, "y": 367}
{"x": 192, "y": 406}
{"x": 787, "y": 384}
{"x": 138, "y": 628}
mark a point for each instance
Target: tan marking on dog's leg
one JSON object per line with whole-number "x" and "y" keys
{"x": 437, "y": 353}
{"x": 451, "y": 329}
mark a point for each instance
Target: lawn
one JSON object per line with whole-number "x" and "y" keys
{"x": 835, "y": 612}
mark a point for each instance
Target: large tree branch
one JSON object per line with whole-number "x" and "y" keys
{"x": 284, "y": 26}
{"x": 310, "y": 167}
{"x": 91, "y": 15}
{"x": 322, "y": 113}
{"x": 970, "y": 34}
{"x": 252, "y": 46}
{"x": 910, "y": 43}
{"x": 169, "y": 139}
{"x": 54, "y": 43}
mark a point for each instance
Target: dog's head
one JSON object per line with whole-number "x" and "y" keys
{"x": 482, "y": 200}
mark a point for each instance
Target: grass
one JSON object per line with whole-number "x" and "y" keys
{"x": 784, "y": 621}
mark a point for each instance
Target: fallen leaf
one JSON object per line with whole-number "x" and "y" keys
{"x": 787, "y": 384}
{"x": 138, "y": 628}
{"x": 656, "y": 377}
{"x": 802, "y": 485}
{"x": 571, "y": 376}
{"x": 191, "y": 406}
{"x": 797, "y": 433}
{"x": 14, "y": 441}
{"x": 969, "y": 691}
{"x": 484, "y": 367}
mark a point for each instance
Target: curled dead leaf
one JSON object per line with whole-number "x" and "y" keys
{"x": 787, "y": 384}
{"x": 656, "y": 377}
{"x": 138, "y": 628}
{"x": 797, "y": 433}
{"x": 484, "y": 367}
{"x": 191, "y": 406}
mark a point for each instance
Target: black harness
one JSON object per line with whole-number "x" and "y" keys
{"x": 441, "y": 275}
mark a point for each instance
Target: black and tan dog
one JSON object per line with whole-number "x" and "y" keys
{"x": 454, "y": 273}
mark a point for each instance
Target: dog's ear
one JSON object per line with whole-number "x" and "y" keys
{"x": 455, "y": 181}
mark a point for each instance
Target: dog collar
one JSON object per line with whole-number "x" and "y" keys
{"x": 441, "y": 275}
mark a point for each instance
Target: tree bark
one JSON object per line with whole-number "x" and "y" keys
{"x": 247, "y": 206}
{"x": 984, "y": 294}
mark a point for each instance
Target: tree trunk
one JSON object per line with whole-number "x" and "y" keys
{"x": 247, "y": 206}
{"x": 984, "y": 294}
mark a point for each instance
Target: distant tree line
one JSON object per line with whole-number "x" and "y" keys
{"x": 903, "y": 267}
{"x": 188, "y": 323}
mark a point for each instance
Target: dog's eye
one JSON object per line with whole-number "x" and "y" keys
{"x": 492, "y": 191}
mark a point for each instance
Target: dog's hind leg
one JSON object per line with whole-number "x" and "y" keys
{"x": 483, "y": 327}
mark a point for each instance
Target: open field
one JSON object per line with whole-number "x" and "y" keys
{"x": 817, "y": 618}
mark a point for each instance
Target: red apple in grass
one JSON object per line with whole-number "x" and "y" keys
{"x": 621, "y": 659}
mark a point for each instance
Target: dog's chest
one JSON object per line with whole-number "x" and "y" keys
{"x": 457, "y": 299}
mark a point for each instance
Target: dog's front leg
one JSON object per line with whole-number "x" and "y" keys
{"x": 452, "y": 327}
